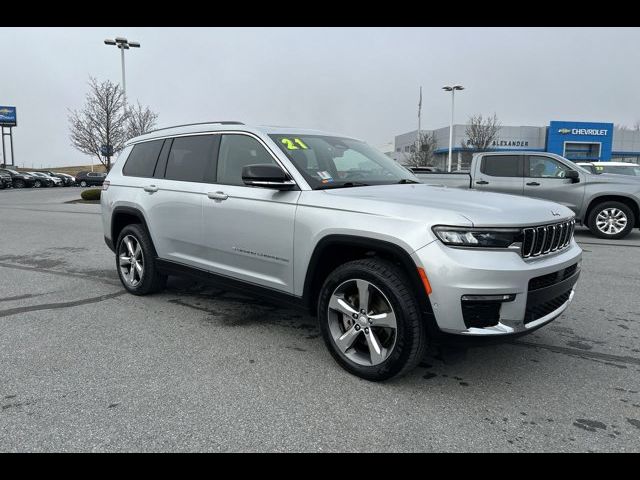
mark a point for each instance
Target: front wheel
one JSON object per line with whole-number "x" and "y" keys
{"x": 613, "y": 220}
{"x": 83, "y": 183}
{"x": 370, "y": 319}
{"x": 19, "y": 184}
{"x": 37, "y": 184}
{"x": 135, "y": 261}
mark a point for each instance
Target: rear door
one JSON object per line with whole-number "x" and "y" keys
{"x": 545, "y": 178}
{"x": 173, "y": 197}
{"x": 499, "y": 173}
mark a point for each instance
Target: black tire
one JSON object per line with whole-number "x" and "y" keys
{"x": 37, "y": 184}
{"x": 592, "y": 223}
{"x": 19, "y": 183}
{"x": 411, "y": 334}
{"x": 152, "y": 280}
{"x": 83, "y": 183}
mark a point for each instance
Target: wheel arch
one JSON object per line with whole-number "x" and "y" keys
{"x": 123, "y": 216}
{"x": 336, "y": 249}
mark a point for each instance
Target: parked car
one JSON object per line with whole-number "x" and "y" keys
{"x": 620, "y": 168}
{"x": 44, "y": 180}
{"x": 67, "y": 180}
{"x": 329, "y": 224}
{"x": 609, "y": 205}
{"x": 19, "y": 179}
{"x": 85, "y": 179}
{"x": 5, "y": 180}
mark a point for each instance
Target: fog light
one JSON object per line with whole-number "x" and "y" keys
{"x": 489, "y": 298}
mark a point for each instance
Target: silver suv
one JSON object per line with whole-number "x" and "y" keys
{"x": 329, "y": 224}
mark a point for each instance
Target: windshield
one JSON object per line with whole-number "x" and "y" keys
{"x": 334, "y": 162}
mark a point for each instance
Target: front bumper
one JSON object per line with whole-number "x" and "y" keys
{"x": 454, "y": 273}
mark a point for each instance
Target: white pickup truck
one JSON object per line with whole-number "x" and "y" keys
{"x": 608, "y": 204}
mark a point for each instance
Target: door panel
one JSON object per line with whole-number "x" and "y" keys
{"x": 249, "y": 235}
{"x": 499, "y": 173}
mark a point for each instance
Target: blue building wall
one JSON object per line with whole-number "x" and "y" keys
{"x": 559, "y": 133}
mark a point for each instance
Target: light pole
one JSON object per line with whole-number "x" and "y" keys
{"x": 123, "y": 44}
{"x": 451, "y": 89}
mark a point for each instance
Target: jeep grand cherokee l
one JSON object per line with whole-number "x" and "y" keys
{"x": 328, "y": 223}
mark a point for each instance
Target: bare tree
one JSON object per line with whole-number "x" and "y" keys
{"x": 423, "y": 151}
{"x": 102, "y": 121}
{"x": 141, "y": 120}
{"x": 481, "y": 132}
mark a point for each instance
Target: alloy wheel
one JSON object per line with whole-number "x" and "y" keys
{"x": 131, "y": 261}
{"x": 611, "y": 221}
{"x": 362, "y": 322}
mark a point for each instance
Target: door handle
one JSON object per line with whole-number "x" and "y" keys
{"x": 217, "y": 195}
{"x": 482, "y": 182}
{"x": 151, "y": 188}
{"x": 533, "y": 184}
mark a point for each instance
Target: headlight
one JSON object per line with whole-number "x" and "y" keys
{"x": 478, "y": 237}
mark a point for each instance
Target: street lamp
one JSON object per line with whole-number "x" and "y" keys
{"x": 123, "y": 44}
{"x": 451, "y": 89}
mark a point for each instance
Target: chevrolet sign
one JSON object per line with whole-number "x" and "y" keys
{"x": 583, "y": 131}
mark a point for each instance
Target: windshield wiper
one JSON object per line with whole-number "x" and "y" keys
{"x": 342, "y": 185}
{"x": 408, "y": 180}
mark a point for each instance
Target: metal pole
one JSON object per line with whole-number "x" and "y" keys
{"x": 4, "y": 153}
{"x": 124, "y": 85}
{"x": 13, "y": 154}
{"x": 451, "y": 131}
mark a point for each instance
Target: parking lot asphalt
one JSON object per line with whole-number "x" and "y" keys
{"x": 86, "y": 367}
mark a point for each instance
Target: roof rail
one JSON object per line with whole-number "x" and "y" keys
{"x": 221, "y": 122}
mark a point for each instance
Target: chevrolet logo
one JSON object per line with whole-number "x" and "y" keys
{"x": 4, "y": 111}
{"x": 564, "y": 131}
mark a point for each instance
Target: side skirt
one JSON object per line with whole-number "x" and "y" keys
{"x": 224, "y": 282}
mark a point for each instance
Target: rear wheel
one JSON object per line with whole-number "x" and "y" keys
{"x": 135, "y": 261}
{"x": 370, "y": 319}
{"x": 613, "y": 220}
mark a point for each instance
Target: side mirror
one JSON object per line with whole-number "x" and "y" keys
{"x": 573, "y": 175}
{"x": 267, "y": 175}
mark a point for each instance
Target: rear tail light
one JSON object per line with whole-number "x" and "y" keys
{"x": 106, "y": 184}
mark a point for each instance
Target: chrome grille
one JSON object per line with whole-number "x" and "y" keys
{"x": 546, "y": 239}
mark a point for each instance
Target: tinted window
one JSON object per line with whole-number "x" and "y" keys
{"x": 502, "y": 165}
{"x": 545, "y": 167}
{"x": 192, "y": 159}
{"x": 142, "y": 160}
{"x": 237, "y": 151}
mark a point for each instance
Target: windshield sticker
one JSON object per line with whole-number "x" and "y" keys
{"x": 294, "y": 144}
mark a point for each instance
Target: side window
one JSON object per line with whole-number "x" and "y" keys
{"x": 545, "y": 167}
{"x": 237, "y": 151}
{"x": 142, "y": 160}
{"x": 192, "y": 159}
{"x": 502, "y": 165}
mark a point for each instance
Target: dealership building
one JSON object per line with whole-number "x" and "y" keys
{"x": 577, "y": 141}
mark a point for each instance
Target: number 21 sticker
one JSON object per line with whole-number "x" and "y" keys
{"x": 294, "y": 144}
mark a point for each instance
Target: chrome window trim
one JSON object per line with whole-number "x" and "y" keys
{"x": 231, "y": 132}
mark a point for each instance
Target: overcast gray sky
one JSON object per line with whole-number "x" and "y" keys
{"x": 360, "y": 81}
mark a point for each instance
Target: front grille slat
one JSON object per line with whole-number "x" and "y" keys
{"x": 546, "y": 239}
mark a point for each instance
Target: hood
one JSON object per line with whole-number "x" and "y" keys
{"x": 614, "y": 178}
{"x": 449, "y": 206}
